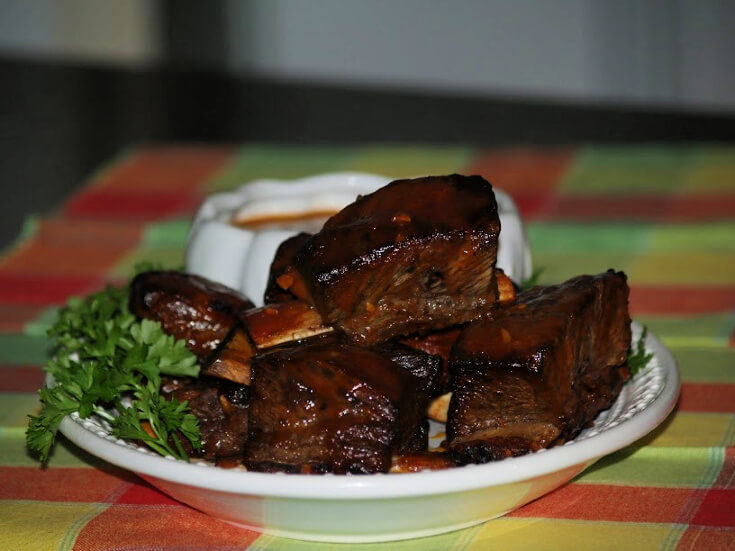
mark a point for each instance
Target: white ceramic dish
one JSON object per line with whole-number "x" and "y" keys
{"x": 394, "y": 506}
{"x": 241, "y": 258}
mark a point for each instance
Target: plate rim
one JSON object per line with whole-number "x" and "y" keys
{"x": 332, "y": 487}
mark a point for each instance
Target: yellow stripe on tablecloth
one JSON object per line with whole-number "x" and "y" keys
{"x": 14, "y": 453}
{"x": 690, "y": 429}
{"x": 41, "y": 525}
{"x": 667, "y": 268}
{"x": 657, "y": 466}
{"x": 511, "y": 534}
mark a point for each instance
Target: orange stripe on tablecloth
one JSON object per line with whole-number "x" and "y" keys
{"x": 63, "y": 230}
{"x": 681, "y": 299}
{"x": 61, "y": 484}
{"x": 158, "y": 168}
{"x": 60, "y": 259}
{"x": 665, "y": 208}
{"x": 44, "y": 290}
{"x": 156, "y": 527}
{"x": 609, "y": 503}
{"x": 141, "y": 493}
{"x": 14, "y": 317}
{"x": 134, "y": 205}
{"x": 522, "y": 170}
{"x": 706, "y": 538}
{"x": 20, "y": 378}
{"x": 707, "y": 397}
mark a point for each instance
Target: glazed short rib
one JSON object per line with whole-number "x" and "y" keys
{"x": 416, "y": 255}
{"x": 535, "y": 373}
{"x": 326, "y": 406}
{"x": 189, "y": 307}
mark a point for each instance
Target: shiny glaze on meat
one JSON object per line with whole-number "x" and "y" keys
{"x": 327, "y": 406}
{"x": 414, "y": 256}
{"x": 189, "y": 307}
{"x": 537, "y": 372}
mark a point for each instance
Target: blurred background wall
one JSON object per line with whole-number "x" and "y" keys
{"x": 677, "y": 53}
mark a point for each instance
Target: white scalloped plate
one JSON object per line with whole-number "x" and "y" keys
{"x": 383, "y": 507}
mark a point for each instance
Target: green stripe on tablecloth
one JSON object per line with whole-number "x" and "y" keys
{"x": 23, "y": 349}
{"x": 564, "y": 238}
{"x": 706, "y": 365}
{"x": 453, "y": 540}
{"x": 15, "y": 408}
{"x": 631, "y": 238}
{"x": 714, "y": 171}
{"x": 560, "y": 267}
{"x": 167, "y": 257}
{"x": 711, "y": 236}
{"x": 169, "y": 233}
{"x": 65, "y": 454}
{"x": 267, "y": 161}
{"x": 616, "y": 170}
{"x": 657, "y": 466}
{"x": 406, "y": 162}
{"x": 695, "y": 331}
{"x": 39, "y": 326}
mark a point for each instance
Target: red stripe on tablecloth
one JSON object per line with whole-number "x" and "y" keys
{"x": 533, "y": 205}
{"x": 151, "y": 527}
{"x": 707, "y": 538}
{"x": 159, "y": 168}
{"x": 44, "y": 290}
{"x": 609, "y": 503}
{"x": 681, "y": 299}
{"x": 137, "y": 205}
{"x": 20, "y": 378}
{"x": 60, "y": 484}
{"x": 143, "y": 494}
{"x": 707, "y": 397}
{"x": 717, "y": 509}
{"x": 663, "y": 208}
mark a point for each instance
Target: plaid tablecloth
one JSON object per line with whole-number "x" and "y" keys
{"x": 665, "y": 215}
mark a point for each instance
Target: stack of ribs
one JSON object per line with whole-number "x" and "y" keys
{"x": 393, "y": 312}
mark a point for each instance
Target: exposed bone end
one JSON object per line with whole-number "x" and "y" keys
{"x": 417, "y": 462}
{"x": 231, "y": 360}
{"x": 506, "y": 290}
{"x": 276, "y": 324}
{"x": 260, "y": 329}
{"x": 437, "y": 410}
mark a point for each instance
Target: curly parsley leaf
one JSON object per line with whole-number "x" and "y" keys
{"x": 638, "y": 358}
{"x": 102, "y": 354}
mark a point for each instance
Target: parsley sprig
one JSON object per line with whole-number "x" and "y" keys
{"x": 638, "y": 358}
{"x": 109, "y": 364}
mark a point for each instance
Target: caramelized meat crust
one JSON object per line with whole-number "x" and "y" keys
{"x": 221, "y": 407}
{"x": 537, "y": 372}
{"x": 326, "y": 406}
{"x": 414, "y": 256}
{"x": 189, "y": 307}
{"x": 279, "y": 278}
